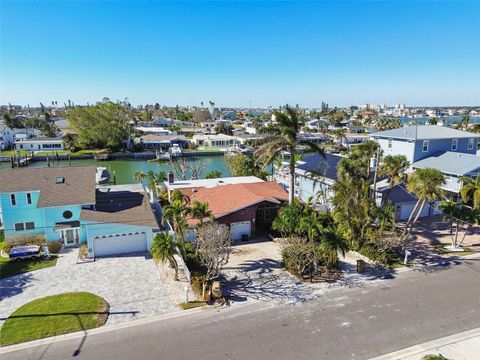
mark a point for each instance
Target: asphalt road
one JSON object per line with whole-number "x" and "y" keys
{"x": 348, "y": 323}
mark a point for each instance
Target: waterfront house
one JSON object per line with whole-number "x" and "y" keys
{"x": 6, "y": 137}
{"x": 64, "y": 204}
{"x": 40, "y": 144}
{"x": 215, "y": 141}
{"x": 162, "y": 142}
{"x": 248, "y": 208}
{"x": 154, "y": 130}
{"x": 418, "y": 142}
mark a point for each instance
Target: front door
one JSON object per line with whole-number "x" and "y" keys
{"x": 70, "y": 237}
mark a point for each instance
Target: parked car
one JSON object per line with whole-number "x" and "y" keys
{"x": 25, "y": 252}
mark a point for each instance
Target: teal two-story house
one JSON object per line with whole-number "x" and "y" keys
{"x": 65, "y": 204}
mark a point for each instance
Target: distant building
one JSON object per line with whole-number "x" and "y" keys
{"x": 6, "y": 137}
{"x": 40, "y": 144}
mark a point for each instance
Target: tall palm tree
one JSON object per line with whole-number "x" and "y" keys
{"x": 425, "y": 184}
{"x": 394, "y": 167}
{"x": 163, "y": 250}
{"x": 367, "y": 150}
{"x": 284, "y": 137}
{"x": 470, "y": 192}
{"x": 200, "y": 211}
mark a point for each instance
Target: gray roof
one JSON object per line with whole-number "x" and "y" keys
{"x": 77, "y": 189}
{"x": 451, "y": 163}
{"x": 319, "y": 165}
{"x": 421, "y": 132}
{"x": 121, "y": 204}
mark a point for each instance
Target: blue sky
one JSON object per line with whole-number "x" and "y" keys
{"x": 237, "y": 53}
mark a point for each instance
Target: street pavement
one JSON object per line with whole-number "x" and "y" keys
{"x": 344, "y": 323}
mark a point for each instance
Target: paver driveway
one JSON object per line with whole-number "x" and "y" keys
{"x": 130, "y": 284}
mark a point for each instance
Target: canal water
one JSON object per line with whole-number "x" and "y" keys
{"x": 124, "y": 169}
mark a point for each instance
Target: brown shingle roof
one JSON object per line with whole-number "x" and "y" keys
{"x": 77, "y": 189}
{"x": 225, "y": 199}
{"x": 123, "y": 207}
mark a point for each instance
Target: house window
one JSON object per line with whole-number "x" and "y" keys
{"x": 470, "y": 144}
{"x": 13, "y": 200}
{"x": 30, "y": 225}
{"x": 425, "y": 146}
{"x": 21, "y": 146}
{"x": 19, "y": 227}
{"x": 390, "y": 143}
{"x": 454, "y": 144}
{"x": 29, "y": 198}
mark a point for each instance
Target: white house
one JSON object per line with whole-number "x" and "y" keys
{"x": 40, "y": 144}
{"x": 216, "y": 141}
{"x": 6, "y": 137}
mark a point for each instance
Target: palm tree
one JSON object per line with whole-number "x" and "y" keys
{"x": 470, "y": 191}
{"x": 367, "y": 150}
{"x": 70, "y": 141}
{"x": 200, "y": 211}
{"x": 49, "y": 129}
{"x": 213, "y": 174}
{"x": 176, "y": 214}
{"x": 331, "y": 244}
{"x": 139, "y": 176}
{"x": 394, "y": 167}
{"x": 163, "y": 250}
{"x": 425, "y": 184}
{"x": 432, "y": 121}
{"x": 284, "y": 137}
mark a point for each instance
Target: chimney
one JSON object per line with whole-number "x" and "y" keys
{"x": 170, "y": 178}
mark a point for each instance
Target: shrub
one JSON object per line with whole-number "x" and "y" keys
{"x": 83, "y": 251}
{"x": 434, "y": 357}
{"x": 382, "y": 257}
{"x": 24, "y": 240}
{"x": 54, "y": 246}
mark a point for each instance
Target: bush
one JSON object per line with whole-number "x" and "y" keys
{"x": 434, "y": 357}
{"x": 54, "y": 246}
{"x": 83, "y": 251}
{"x": 382, "y": 257}
{"x": 24, "y": 240}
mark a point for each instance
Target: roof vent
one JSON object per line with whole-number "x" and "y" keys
{"x": 60, "y": 180}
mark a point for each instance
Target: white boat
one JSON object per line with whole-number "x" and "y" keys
{"x": 102, "y": 176}
{"x": 175, "y": 150}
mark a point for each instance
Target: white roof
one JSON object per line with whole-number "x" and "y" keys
{"x": 214, "y": 137}
{"x": 210, "y": 183}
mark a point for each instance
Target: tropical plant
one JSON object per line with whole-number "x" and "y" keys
{"x": 213, "y": 174}
{"x": 176, "y": 214}
{"x": 163, "y": 249}
{"x": 394, "y": 168}
{"x": 426, "y": 185}
{"x": 470, "y": 192}
{"x": 332, "y": 243}
{"x": 70, "y": 141}
{"x": 139, "y": 176}
{"x": 244, "y": 165}
{"x": 199, "y": 210}
{"x": 284, "y": 137}
{"x": 49, "y": 129}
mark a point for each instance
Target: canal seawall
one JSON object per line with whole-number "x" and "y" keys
{"x": 113, "y": 156}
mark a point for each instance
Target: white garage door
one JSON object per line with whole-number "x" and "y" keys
{"x": 120, "y": 243}
{"x": 238, "y": 229}
{"x": 407, "y": 209}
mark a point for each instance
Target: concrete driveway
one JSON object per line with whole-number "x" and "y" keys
{"x": 130, "y": 284}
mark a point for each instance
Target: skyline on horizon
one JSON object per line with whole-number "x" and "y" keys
{"x": 241, "y": 54}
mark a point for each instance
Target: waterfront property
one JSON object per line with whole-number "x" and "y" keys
{"x": 6, "y": 137}
{"x": 217, "y": 141}
{"x": 162, "y": 142}
{"x": 40, "y": 144}
{"x": 418, "y": 142}
{"x": 64, "y": 204}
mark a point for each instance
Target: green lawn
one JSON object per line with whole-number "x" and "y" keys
{"x": 11, "y": 268}
{"x": 54, "y": 315}
{"x": 14, "y": 152}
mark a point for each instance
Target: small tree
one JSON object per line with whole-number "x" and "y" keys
{"x": 213, "y": 174}
{"x": 213, "y": 249}
{"x": 163, "y": 250}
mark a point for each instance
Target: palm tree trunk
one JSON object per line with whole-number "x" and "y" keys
{"x": 454, "y": 239}
{"x": 291, "y": 189}
{"x": 465, "y": 235}
{"x": 418, "y": 215}
{"x": 175, "y": 265}
{"x": 411, "y": 216}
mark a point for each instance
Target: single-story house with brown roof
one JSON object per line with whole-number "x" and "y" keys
{"x": 65, "y": 204}
{"x": 248, "y": 209}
